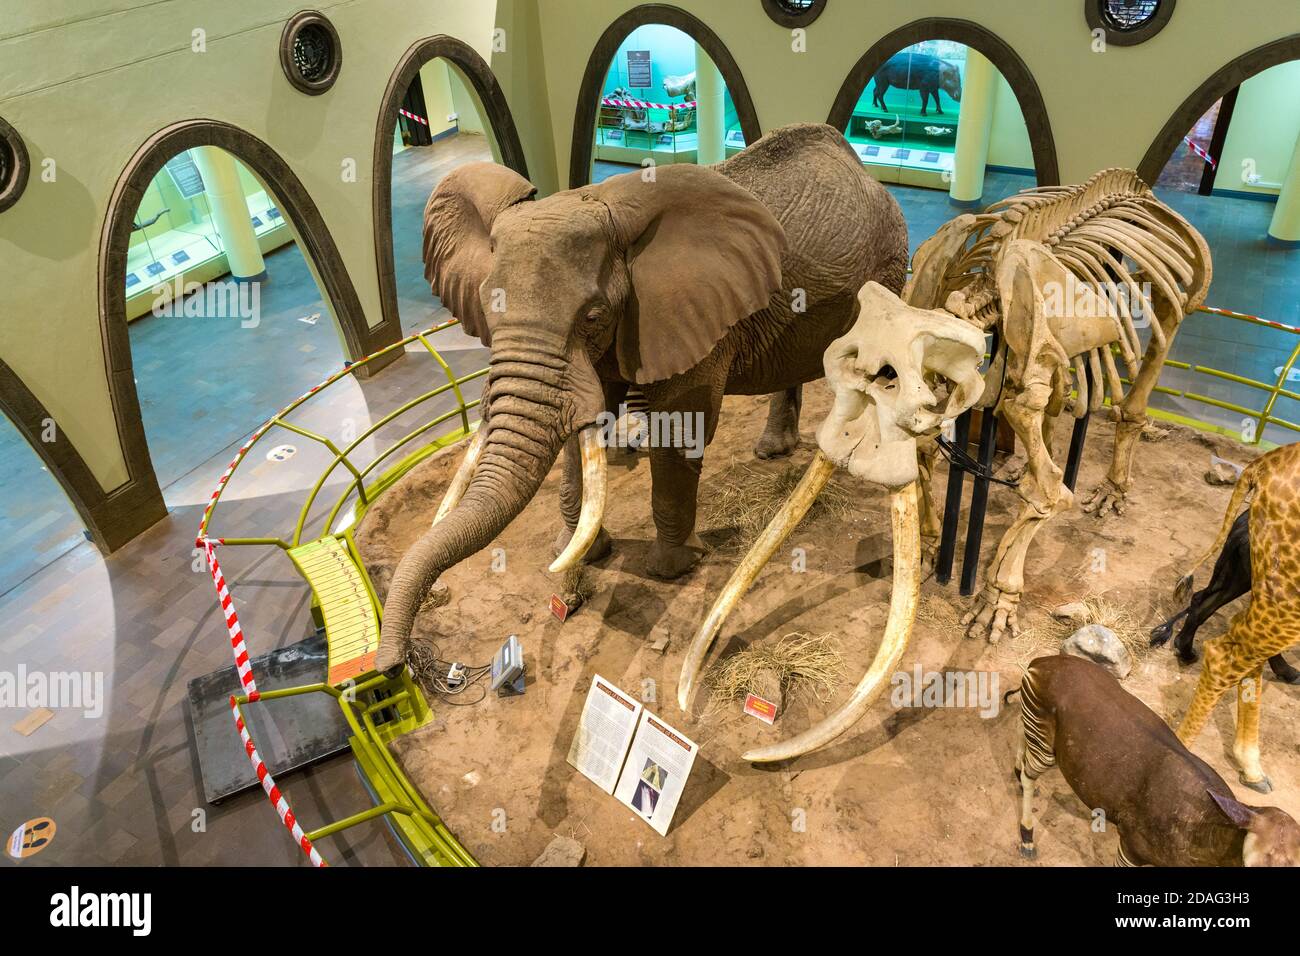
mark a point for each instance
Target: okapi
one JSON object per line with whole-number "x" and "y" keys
{"x": 1170, "y": 807}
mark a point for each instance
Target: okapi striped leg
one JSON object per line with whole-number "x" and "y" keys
{"x": 1124, "y": 858}
{"x": 1245, "y": 749}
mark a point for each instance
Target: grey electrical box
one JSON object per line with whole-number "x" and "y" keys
{"x": 508, "y": 666}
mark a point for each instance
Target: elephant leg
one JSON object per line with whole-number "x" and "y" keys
{"x": 683, "y": 416}
{"x": 781, "y": 436}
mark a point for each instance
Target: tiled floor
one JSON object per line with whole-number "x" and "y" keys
{"x": 124, "y": 787}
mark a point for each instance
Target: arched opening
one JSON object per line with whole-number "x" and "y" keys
{"x": 222, "y": 296}
{"x": 1228, "y": 160}
{"x": 945, "y": 105}
{"x": 659, "y": 86}
{"x": 443, "y": 107}
{"x": 49, "y": 500}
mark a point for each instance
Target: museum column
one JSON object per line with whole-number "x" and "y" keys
{"x": 1284, "y": 229}
{"x": 710, "y": 111}
{"x": 971, "y": 149}
{"x": 230, "y": 213}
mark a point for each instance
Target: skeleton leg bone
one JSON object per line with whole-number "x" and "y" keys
{"x": 1044, "y": 496}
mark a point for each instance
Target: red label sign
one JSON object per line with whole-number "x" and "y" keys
{"x": 758, "y": 707}
{"x": 558, "y": 607}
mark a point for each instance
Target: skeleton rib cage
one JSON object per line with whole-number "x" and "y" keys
{"x": 1111, "y": 234}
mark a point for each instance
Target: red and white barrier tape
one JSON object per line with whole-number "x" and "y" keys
{"x": 409, "y": 115}
{"x": 643, "y": 105}
{"x": 1200, "y": 152}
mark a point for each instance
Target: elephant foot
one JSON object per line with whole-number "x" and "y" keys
{"x": 668, "y": 561}
{"x": 600, "y": 548}
{"x": 777, "y": 442}
{"x": 993, "y": 615}
{"x": 1106, "y": 498}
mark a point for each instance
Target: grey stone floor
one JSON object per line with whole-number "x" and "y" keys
{"x": 125, "y": 787}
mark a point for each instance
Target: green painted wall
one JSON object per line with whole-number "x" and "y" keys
{"x": 87, "y": 82}
{"x": 1263, "y": 131}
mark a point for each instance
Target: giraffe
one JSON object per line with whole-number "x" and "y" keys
{"x": 1271, "y": 623}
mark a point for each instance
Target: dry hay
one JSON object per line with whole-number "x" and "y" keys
{"x": 577, "y": 586}
{"x": 1046, "y": 634}
{"x": 743, "y": 499}
{"x": 801, "y": 662}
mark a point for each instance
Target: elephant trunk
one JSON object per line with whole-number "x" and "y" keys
{"x": 529, "y": 417}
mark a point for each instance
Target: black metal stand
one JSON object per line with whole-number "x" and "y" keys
{"x": 1078, "y": 437}
{"x": 952, "y": 504}
{"x": 979, "y": 500}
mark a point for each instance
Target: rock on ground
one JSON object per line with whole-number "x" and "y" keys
{"x": 1099, "y": 644}
{"x": 562, "y": 851}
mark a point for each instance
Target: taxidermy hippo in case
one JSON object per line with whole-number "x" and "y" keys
{"x": 918, "y": 71}
{"x": 690, "y": 281}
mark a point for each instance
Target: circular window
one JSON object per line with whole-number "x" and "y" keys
{"x": 794, "y": 13}
{"x": 13, "y": 166}
{"x": 1127, "y": 22}
{"x": 310, "y": 52}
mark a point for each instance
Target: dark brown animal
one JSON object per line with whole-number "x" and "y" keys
{"x": 1170, "y": 807}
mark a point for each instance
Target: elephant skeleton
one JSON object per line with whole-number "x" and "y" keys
{"x": 1066, "y": 275}
{"x": 897, "y": 375}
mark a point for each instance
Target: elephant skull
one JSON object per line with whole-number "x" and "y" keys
{"x": 897, "y": 374}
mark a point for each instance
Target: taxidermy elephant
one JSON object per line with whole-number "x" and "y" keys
{"x": 917, "y": 71}
{"x": 692, "y": 282}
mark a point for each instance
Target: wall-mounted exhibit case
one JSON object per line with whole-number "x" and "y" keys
{"x": 657, "y": 85}
{"x": 907, "y": 116}
{"x": 175, "y": 235}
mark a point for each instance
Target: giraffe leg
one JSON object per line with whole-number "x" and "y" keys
{"x": 1112, "y": 493}
{"x": 994, "y": 612}
{"x": 1222, "y": 666}
{"x": 1245, "y": 749}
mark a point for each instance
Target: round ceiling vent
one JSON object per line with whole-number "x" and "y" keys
{"x": 13, "y": 166}
{"x": 310, "y": 52}
{"x": 794, "y": 13}
{"x": 1128, "y": 22}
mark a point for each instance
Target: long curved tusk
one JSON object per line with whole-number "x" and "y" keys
{"x": 898, "y": 631}
{"x": 778, "y": 529}
{"x": 593, "y": 500}
{"x": 460, "y": 480}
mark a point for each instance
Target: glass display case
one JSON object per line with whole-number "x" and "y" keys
{"x": 647, "y": 107}
{"x": 897, "y": 121}
{"x": 173, "y": 233}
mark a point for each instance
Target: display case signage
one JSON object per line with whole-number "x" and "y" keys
{"x": 638, "y": 69}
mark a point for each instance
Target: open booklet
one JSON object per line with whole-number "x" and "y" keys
{"x": 654, "y": 759}
{"x": 655, "y": 771}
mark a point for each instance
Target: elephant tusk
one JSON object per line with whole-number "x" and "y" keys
{"x": 778, "y": 529}
{"x": 898, "y": 631}
{"x": 593, "y": 500}
{"x": 460, "y": 480}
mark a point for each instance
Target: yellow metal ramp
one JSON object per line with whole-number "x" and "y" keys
{"x": 347, "y": 610}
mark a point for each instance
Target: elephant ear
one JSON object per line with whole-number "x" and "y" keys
{"x": 703, "y": 254}
{"x": 457, "y": 223}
